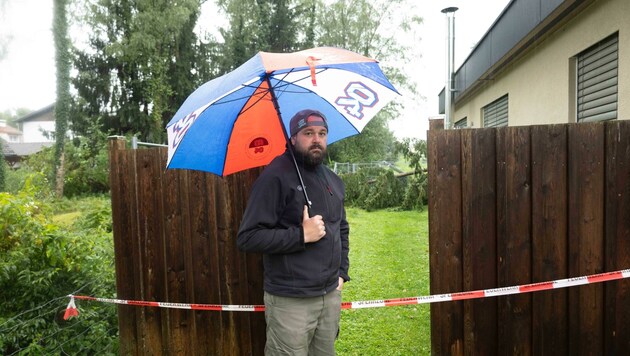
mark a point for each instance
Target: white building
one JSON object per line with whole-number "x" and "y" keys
{"x": 547, "y": 62}
{"x": 38, "y": 126}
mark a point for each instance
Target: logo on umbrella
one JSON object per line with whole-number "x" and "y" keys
{"x": 358, "y": 95}
{"x": 258, "y": 148}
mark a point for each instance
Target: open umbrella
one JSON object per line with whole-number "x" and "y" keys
{"x": 241, "y": 119}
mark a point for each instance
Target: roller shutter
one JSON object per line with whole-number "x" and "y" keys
{"x": 461, "y": 124}
{"x": 495, "y": 114}
{"x": 597, "y": 81}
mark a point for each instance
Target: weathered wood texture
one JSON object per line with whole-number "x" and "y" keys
{"x": 521, "y": 205}
{"x": 174, "y": 237}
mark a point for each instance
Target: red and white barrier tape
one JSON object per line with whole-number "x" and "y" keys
{"x": 526, "y": 288}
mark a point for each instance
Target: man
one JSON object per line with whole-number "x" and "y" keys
{"x": 305, "y": 254}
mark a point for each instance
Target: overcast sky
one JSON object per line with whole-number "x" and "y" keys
{"x": 27, "y": 73}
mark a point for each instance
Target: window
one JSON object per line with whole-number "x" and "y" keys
{"x": 461, "y": 124}
{"x": 597, "y": 81}
{"x": 495, "y": 114}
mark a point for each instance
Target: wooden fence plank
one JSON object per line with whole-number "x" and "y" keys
{"x": 479, "y": 239}
{"x": 226, "y": 267}
{"x": 204, "y": 288}
{"x": 514, "y": 241}
{"x": 617, "y": 240}
{"x": 253, "y": 268}
{"x": 180, "y": 323}
{"x": 549, "y": 229}
{"x": 122, "y": 182}
{"x": 445, "y": 242}
{"x": 586, "y": 237}
{"x": 150, "y": 237}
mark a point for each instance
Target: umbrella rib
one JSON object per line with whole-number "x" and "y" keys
{"x": 281, "y": 84}
{"x": 267, "y": 91}
{"x": 286, "y": 84}
{"x": 219, "y": 102}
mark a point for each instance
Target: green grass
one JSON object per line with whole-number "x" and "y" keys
{"x": 66, "y": 219}
{"x": 389, "y": 258}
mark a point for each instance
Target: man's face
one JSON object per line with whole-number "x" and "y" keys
{"x": 310, "y": 142}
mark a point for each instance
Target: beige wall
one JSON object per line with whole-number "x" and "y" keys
{"x": 539, "y": 84}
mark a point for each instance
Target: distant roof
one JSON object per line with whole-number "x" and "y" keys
{"x": 6, "y": 148}
{"x": 27, "y": 148}
{"x": 36, "y": 114}
{"x": 10, "y": 130}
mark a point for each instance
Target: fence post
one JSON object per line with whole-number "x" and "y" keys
{"x": 436, "y": 124}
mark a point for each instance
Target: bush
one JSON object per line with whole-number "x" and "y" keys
{"x": 416, "y": 192}
{"x": 40, "y": 264}
{"x": 86, "y": 166}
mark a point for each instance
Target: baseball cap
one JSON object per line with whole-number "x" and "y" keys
{"x": 303, "y": 119}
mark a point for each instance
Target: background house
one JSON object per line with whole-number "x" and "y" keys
{"x": 547, "y": 62}
{"x": 8, "y": 133}
{"x": 34, "y": 133}
{"x": 38, "y": 126}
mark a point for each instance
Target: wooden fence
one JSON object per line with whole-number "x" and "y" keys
{"x": 174, "y": 241}
{"x": 519, "y": 205}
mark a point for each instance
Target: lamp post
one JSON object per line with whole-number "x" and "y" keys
{"x": 450, "y": 55}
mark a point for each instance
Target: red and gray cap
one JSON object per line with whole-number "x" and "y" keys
{"x": 303, "y": 119}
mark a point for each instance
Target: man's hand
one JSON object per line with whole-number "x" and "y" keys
{"x": 314, "y": 228}
{"x": 340, "y": 286}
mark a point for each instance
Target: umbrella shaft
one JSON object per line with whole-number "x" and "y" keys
{"x": 274, "y": 100}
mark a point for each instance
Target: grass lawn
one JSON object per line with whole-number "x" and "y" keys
{"x": 389, "y": 258}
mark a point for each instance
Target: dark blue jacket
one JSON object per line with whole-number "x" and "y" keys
{"x": 272, "y": 224}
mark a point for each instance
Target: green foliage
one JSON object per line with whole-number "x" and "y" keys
{"x": 373, "y": 189}
{"x": 377, "y": 189}
{"x": 39, "y": 264}
{"x": 264, "y": 25}
{"x": 389, "y": 258}
{"x": 416, "y": 192}
{"x": 415, "y": 152}
{"x": 375, "y": 143}
{"x": 86, "y": 166}
{"x": 143, "y": 59}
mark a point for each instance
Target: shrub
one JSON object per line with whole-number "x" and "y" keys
{"x": 416, "y": 193}
{"x": 86, "y": 166}
{"x": 40, "y": 264}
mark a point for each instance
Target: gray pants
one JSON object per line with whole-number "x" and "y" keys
{"x": 302, "y": 326}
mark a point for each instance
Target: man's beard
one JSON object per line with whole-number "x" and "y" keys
{"x": 311, "y": 158}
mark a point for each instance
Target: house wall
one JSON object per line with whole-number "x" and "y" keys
{"x": 539, "y": 85}
{"x": 33, "y": 130}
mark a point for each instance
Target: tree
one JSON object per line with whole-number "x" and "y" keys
{"x": 361, "y": 26}
{"x": 62, "y": 106}
{"x": 417, "y": 191}
{"x": 263, "y": 25}
{"x": 143, "y": 60}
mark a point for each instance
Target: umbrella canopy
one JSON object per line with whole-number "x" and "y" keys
{"x": 241, "y": 119}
